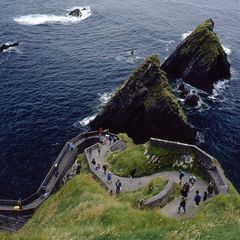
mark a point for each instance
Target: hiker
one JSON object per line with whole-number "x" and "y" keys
{"x": 99, "y": 150}
{"x": 192, "y": 180}
{"x": 184, "y": 192}
{"x": 110, "y": 139}
{"x": 70, "y": 146}
{"x": 205, "y": 196}
{"x": 93, "y": 162}
{"x": 56, "y": 169}
{"x": 98, "y": 167}
{"x": 181, "y": 175}
{"x": 210, "y": 189}
{"x": 182, "y": 205}
{"x": 19, "y": 204}
{"x": 78, "y": 169}
{"x": 100, "y": 140}
{"x": 109, "y": 177}
{"x": 197, "y": 198}
{"x": 104, "y": 169}
{"x": 186, "y": 186}
{"x": 100, "y": 131}
{"x": 118, "y": 186}
{"x": 43, "y": 189}
{"x": 133, "y": 172}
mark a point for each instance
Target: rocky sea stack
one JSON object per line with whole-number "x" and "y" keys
{"x": 200, "y": 59}
{"x": 145, "y": 107}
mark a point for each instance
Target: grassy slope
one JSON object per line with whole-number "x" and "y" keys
{"x": 122, "y": 163}
{"x": 83, "y": 210}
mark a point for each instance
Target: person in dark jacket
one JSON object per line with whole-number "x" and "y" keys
{"x": 205, "y": 196}
{"x": 197, "y": 198}
{"x": 210, "y": 189}
{"x": 184, "y": 192}
{"x": 181, "y": 175}
{"x": 182, "y": 205}
{"x": 118, "y": 186}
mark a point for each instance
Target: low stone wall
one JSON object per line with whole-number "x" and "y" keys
{"x": 206, "y": 162}
{"x": 162, "y": 198}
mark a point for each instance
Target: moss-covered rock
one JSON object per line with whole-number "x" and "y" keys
{"x": 200, "y": 59}
{"x": 145, "y": 107}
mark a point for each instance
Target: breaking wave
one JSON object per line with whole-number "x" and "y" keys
{"x": 227, "y": 50}
{"x": 39, "y": 19}
{"x": 87, "y": 120}
{"x": 185, "y": 35}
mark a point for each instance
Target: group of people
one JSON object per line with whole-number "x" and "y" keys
{"x": 187, "y": 187}
{"x": 108, "y": 174}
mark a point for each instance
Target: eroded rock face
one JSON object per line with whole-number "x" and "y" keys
{"x": 200, "y": 59}
{"x": 75, "y": 13}
{"x": 145, "y": 107}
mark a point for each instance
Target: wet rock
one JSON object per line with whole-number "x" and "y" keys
{"x": 75, "y": 13}
{"x": 191, "y": 100}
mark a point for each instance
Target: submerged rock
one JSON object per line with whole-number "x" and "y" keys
{"x": 7, "y": 46}
{"x": 75, "y": 13}
{"x": 191, "y": 100}
{"x": 200, "y": 59}
{"x": 145, "y": 107}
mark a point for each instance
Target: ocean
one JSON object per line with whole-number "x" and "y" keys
{"x": 65, "y": 70}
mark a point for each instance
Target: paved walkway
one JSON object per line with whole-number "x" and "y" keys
{"x": 129, "y": 184}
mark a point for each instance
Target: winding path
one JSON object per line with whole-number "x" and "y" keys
{"x": 129, "y": 184}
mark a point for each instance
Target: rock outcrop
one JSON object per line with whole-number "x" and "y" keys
{"x": 200, "y": 59}
{"x": 145, "y": 107}
{"x": 191, "y": 100}
{"x": 75, "y": 13}
{"x": 7, "y": 46}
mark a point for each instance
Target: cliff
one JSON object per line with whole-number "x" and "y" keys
{"x": 145, "y": 107}
{"x": 200, "y": 59}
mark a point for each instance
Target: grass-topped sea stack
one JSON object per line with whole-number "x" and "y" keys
{"x": 200, "y": 59}
{"x": 145, "y": 107}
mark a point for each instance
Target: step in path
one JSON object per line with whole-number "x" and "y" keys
{"x": 129, "y": 184}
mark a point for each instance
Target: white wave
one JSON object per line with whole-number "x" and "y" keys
{"x": 186, "y": 34}
{"x": 104, "y": 98}
{"x": 128, "y": 59}
{"x": 218, "y": 88}
{"x": 227, "y": 50}
{"x": 167, "y": 42}
{"x": 87, "y": 120}
{"x": 200, "y": 137}
{"x": 39, "y": 19}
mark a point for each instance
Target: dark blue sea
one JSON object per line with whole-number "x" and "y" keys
{"x": 65, "y": 69}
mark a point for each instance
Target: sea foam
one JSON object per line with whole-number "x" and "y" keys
{"x": 39, "y": 19}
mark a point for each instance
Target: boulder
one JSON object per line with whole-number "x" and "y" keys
{"x": 7, "y": 46}
{"x": 183, "y": 91}
{"x": 200, "y": 59}
{"x": 144, "y": 106}
{"x": 75, "y": 13}
{"x": 191, "y": 100}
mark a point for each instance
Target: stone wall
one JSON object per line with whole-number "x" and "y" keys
{"x": 208, "y": 164}
{"x": 162, "y": 198}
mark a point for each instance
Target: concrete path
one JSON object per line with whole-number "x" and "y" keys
{"x": 129, "y": 184}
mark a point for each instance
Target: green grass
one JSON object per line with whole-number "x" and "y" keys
{"x": 154, "y": 187}
{"x": 83, "y": 210}
{"x": 122, "y": 163}
{"x": 210, "y": 44}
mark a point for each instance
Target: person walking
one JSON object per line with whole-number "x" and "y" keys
{"x": 99, "y": 150}
{"x": 56, "y": 169}
{"x": 181, "y": 175}
{"x": 205, "y": 196}
{"x": 192, "y": 181}
{"x": 104, "y": 169}
{"x": 118, "y": 186}
{"x": 197, "y": 198}
{"x": 182, "y": 205}
{"x": 186, "y": 186}
{"x": 184, "y": 192}
{"x": 93, "y": 162}
{"x": 109, "y": 177}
